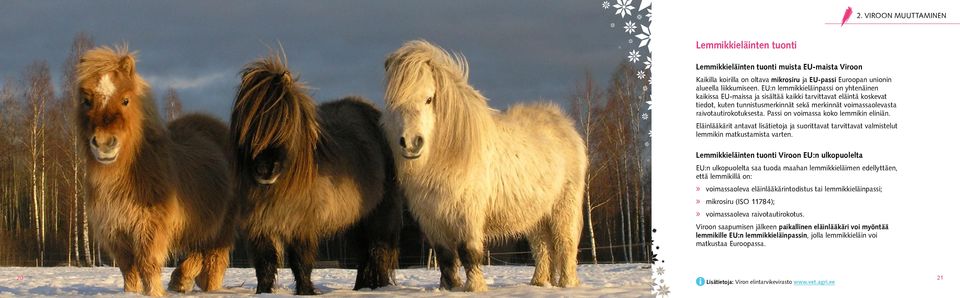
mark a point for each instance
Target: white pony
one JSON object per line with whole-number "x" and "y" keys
{"x": 471, "y": 173}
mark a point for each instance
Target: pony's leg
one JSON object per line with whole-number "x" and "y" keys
{"x": 449, "y": 267}
{"x": 384, "y": 255}
{"x": 204, "y": 275}
{"x": 300, "y": 255}
{"x": 361, "y": 245}
{"x": 150, "y": 259}
{"x": 182, "y": 278}
{"x": 217, "y": 259}
{"x": 542, "y": 246}
{"x": 471, "y": 253}
{"x": 264, "y": 255}
{"x": 378, "y": 245}
{"x": 215, "y": 263}
{"x": 565, "y": 227}
{"x": 202, "y": 278}
{"x": 131, "y": 276}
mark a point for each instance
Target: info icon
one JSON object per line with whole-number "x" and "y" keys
{"x": 701, "y": 281}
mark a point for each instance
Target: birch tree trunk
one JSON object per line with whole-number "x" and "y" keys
{"x": 623, "y": 220}
{"x": 593, "y": 238}
{"x": 34, "y": 167}
{"x": 87, "y": 248}
{"x": 640, "y": 187}
{"x": 613, "y": 258}
{"x": 39, "y": 90}
{"x": 43, "y": 197}
{"x": 582, "y": 105}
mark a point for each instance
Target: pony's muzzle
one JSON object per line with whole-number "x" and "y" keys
{"x": 110, "y": 142}
{"x": 411, "y": 150}
{"x": 105, "y": 149}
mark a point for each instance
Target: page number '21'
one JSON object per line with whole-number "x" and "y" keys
{"x": 939, "y": 276}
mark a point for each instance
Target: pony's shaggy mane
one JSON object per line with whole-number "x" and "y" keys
{"x": 462, "y": 112}
{"x": 272, "y": 107}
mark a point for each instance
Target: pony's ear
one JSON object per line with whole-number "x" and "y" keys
{"x": 287, "y": 78}
{"x": 390, "y": 59}
{"x": 128, "y": 65}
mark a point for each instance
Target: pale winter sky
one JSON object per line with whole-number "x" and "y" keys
{"x": 518, "y": 50}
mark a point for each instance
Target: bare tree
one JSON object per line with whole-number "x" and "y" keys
{"x": 641, "y": 128}
{"x": 39, "y": 91}
{"x": 79, "y": 228}
{"x": 9, "y": 171}
{"x": 171, "y": 104}
{"x": 618, "y": 149}
{"x": 617, "y": 101}
{"x": 582, "y": 105}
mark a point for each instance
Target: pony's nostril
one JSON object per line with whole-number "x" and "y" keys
{"x": 93, "y": 141}
{"x": 403, "y": 142}
{"x": 112, "y": 143}
{"x": 418, "y": 142}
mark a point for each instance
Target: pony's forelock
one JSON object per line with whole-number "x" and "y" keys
{"x": 272, "y": 108}
{"x": 407, "y": 67}
{"x": 117, "y": 61}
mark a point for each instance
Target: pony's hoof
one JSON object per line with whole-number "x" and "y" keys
{"x": 473, "y": 287}
{"x": 541, "y": 283}
{"x": 569, "y": 283}
{"x": 157, "y": 293}
{"x": 180, "y": 287}
{"x": 264, "y": 290}
{"x": 133, "y": 290}
{"x": 452, "y": 286}
{"x": 201, "y": 281}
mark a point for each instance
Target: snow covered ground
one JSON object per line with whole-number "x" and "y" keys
{"x": 631, "y": 280}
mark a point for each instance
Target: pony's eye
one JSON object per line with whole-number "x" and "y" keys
{"x": 86, "y": 102}
{"x": 429, "y": 99}
{"x": 126, "y": 101}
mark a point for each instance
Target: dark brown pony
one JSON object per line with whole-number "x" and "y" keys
{"x": 153, "y": 189}
{"x": 306, "y": 173}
